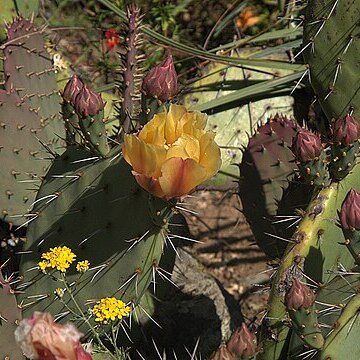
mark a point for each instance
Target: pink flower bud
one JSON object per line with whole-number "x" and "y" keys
{"x": 161, "y": 80}
{"x": 306, "y": 145}
{"x": 42, "y": 339}
{"x": 222, "y": 353}
{"x": 299, "y": 296}
{"x": 350, "y": 211}
{"x": 346, "y": 130}
{"x": 72, "y": 88}
{"x": 242, "y": 342}
{"x": 88, "y": 102}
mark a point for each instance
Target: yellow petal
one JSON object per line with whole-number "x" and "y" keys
{"x": 180, "y": 176}
{"x": 185, "y": 147}
{"x": 173, "y": 117}
{"x": 153, "y": 131}
{"x": 193, "y": 121}
{"x": 210, "y": 157}
{"x": 150, "y": 184}
{"x": 145, "y": 159}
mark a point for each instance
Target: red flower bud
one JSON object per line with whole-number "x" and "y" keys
{"x": 222, "y": 353}
{"x": 350, "y": 211}
{"x": 112, "y": 38}
{"x": 161, "y": 80}
{"x": 346, "y": 130}
{"x": 242, "y": 342}
{"x": 72, "y": 88}
{"x": 88, "y": 102}
{"x": 299, "y": 296}
{"x": 306, "y": 145}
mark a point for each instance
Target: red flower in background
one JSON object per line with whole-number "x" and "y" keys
{"x": 112, "y": 38}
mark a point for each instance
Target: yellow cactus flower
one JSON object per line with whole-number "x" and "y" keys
{"x": 60, "y": 258}
{"x": 109, "y": 309}
{"x": 173, "y": 153}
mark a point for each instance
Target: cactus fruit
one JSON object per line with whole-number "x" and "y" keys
{"x": 300, "y": 304}
{"x": 332, "y": 53}
{"x": 10, "y": 316}
{"x": 161, "y": 81}
{"x": 29, "y": 113}
{"x": 89, "y": 107}
{"x": 345, "y": 146}
{"x": 242, "y": 343}
{"x": 311, "y": 158}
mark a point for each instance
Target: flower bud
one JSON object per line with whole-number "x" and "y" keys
{"x": 242, "y": 342}
{"x": 222, "y": 353}
{"x": 350, "y": 211}
{"x": 346, "y": 130}
{"x": 161, "y": 80}
{"x": 306, "y": 145}
{"x": 72, "y": 88}
{"x": 88, "y": 102}
{"x": 43, "y": 339}
{"x": 299, "y": 296}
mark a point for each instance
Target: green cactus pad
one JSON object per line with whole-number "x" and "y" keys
{"x": 343, "y": 159}
{"x": 10, "y": 315}
{"x": 318, "y": 251}
{"x": 30, "y": 126}
{"x": 96, "y": 208}
{"x": 94, "y": 132}
{"x": 315, "y": 172}
{"x": 307, "y": 326}
{"x": 333, "y": 54}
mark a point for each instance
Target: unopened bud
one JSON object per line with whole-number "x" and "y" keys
{"x": 350, "y": 211}
{"x": 242, "y": 342}
{"x": 222, "y": 353}
{"x": 346, "y": 130}
{"x": 88, "y": 102}
{"x": 299, "y": 296}
{"x": 72, "y": 89}
{"x": 306, "y": 145}
{"x": 161, "y": 81}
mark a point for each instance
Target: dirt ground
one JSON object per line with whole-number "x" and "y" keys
{"x": 228, "y": 250}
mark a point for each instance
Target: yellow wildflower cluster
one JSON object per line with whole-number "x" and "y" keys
{"x": 59, "y": 292}
{"x": 110, "y": 308}
{"x": 60, "y": 258}
{"x": 82, "y": 266}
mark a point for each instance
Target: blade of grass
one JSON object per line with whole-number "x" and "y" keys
{"x": 274, "y": 64}
{"x": 248, "y": 93}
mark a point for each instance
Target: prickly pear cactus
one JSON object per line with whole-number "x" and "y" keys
{"x": 266, "y": 169}
{"x": 96, "y": 208}
{"x": 30, "y": 126}
{"x": 10, "y": 315}
{"x": 332, "y": 52}
{"x": 317, "y": 255}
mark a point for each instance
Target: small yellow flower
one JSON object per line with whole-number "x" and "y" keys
{"x": 173, "y": 153}
{"x": 59, "y": 292}
{"x": 82, "y": 266}
{"x": 110, "y": 309}
{"x": 60, "y": 258}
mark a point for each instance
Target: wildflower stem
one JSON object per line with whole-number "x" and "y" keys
{"x": 95, "y": 333}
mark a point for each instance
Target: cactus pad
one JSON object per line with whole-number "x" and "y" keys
{"x": 96, "y": 208}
